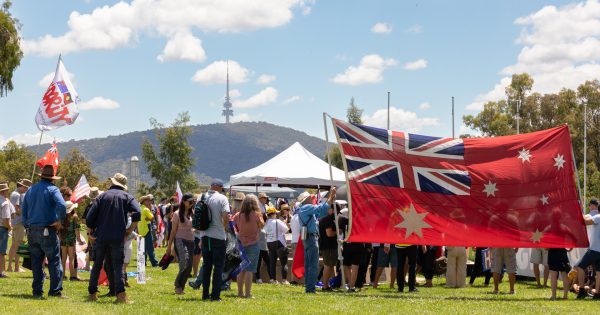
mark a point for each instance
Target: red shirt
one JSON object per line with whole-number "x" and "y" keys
{"x": 247, "y": 229}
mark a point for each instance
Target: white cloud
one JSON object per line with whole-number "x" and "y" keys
{"x": 370, "y": 70}
{"x": 235, "y": 93}
{"x": 216, "y": 73}
{"x": 415, "y": 29}
{"x": 111, "y": 27}
{"x": 245, "y": 117}
{"x": 381, "y": 28}
{"x": 27, "y": 139}
{"x": 424, "y": 106}
{"x": 265, "y": 79}
{"x": 47, "y": 79}
{"x": 98, "y": 102}
{"x": 561, "y": 48}
{"x": 292, "y": 99}
{"x": 399, "y": 120}
{"x": 416, "y": 65}
{"x": 183, "y": 46}
{"x": 263, "y": 98}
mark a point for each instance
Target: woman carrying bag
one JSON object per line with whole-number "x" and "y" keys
{"x": 183, "y": 238}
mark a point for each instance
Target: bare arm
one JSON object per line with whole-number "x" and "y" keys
{"x": 225, "y": 220}
{"x": 588, "y": 220}
{"x": 172, "y": 236}
{"x": 330, "y": 232}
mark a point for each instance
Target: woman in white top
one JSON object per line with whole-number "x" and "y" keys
{"x": 276, "y": 243}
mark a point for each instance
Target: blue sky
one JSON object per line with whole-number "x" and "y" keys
{"x": 292, "y": 60}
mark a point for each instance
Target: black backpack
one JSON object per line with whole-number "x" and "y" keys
{"x": 202, "y": 217}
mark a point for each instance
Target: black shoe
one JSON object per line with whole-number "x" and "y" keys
{"x": 413, "y": 290}
{"x": 582, "y": 294}
{"x": 38, "y": 297}
{"x": 351, "y": 290}
{"x": 205, "y": 298}
{"x": 194, "y": 285}
{"x": 401, "y": 290}
{"x": 58, "y": 295}
{"x": 216, "y": 300}
{"x": 328, "y": 289}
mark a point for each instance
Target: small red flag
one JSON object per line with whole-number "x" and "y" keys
{"x": 298, "y": 264}
{"x": 50, "y": 158}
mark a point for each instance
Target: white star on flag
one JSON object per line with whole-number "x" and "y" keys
{"x": 524, "y": 155}
{"x": 490, "y": 189}
{"x": 544, "y": 200}
{"x": 536, "y": 236}
{"x": 559, "y": 161}
{"x": 413, "y": 222}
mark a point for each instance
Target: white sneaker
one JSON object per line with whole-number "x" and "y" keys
{"x": 259, "y": 281}
{"x": 273, "y": 281}
{"x": 285, "y": 282}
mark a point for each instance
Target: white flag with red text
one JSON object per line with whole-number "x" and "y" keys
{"x": 59, "y": 104}
{"x": 178, "y": 193}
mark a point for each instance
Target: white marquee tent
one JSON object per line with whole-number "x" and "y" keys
{"x": 294, "y": 167}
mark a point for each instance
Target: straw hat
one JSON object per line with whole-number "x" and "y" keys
{"x": 48, "y": 173}
{"x": 119, "y": 180}
{"x": 3, "y": 187}
{"x": 144, "y": 198}
{"x": 262, "y": 195}
{"x": 239, "y": 196}
{"x": 24, "y": 182}
{"x": 71, "y": 206}
{"x": 303, "y": 196}
{"x": 94, "y": 192}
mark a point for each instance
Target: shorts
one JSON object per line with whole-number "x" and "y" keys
{"x": 384, "y": 260}
{"x": 3, "y": 240}
{"x": 504, "y": 257}
{"x": 253, "y": 253}
{"x": 539, "y": 256}
{"x": 330, "y": 257}
{"x": 127, "y": 250}
{"x": 353, "y": 253}
{"x": 558, "y": 260}
{"x": 18, "y": 234}
{"x": 591, "y": 257}
{"x": 197, "y": 247}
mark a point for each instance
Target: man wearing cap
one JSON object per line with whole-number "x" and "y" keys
{"x": 213, "y": 241}
{"x": 16, "y": 198}
{"x": 43, "y": 211}
{"x": 107, "y": 226}
{"x": 592, "y": 255}
{"x": 5, "y": 225}
{"x": 308, "y": 214}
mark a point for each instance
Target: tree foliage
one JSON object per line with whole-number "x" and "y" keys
{"x": 16, "y": 162}
{"x": 173, "y": 162}
{"x": 543, "y": 111}
{"x": 354, "y": 113}
{"x": 73, "y": 165}
{"x": 335, "y": 157}
{"x": 10, "y": 49}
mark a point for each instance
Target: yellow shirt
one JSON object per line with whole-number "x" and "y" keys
{"x": 147, "y": 217}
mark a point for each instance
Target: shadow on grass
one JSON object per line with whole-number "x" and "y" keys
{"x": 22, "y": 296}
{"x": 490, "y": 297}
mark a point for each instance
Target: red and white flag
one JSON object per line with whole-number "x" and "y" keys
{"x": 49, "y": 158}
{"x": 59, "y": 104}
{"x": 512, "y": 191}
{"x": 178, "y": 193}
{"x": 81, "y": 190}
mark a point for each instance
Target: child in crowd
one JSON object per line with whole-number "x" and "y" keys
{"x": 70, "y": 235}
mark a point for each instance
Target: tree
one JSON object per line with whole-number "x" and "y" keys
{"x": 335, "y": 157}
{"x": 354, "y": 113}
{"x": 16, "y": 162}
{"x": 173, "y": 162}
{"x": 73, "y": 165}
{"x": 10, "y": 48}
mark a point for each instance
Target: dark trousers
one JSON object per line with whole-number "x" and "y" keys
{"x": 374, "y": 257}
{"x": 116, "y": 252}
{"x": 185, "y": 255}
{"x": 41, "y": 247}
{"x": 264, "y": 256}
{"x": 213, "y": 254}
{"x": 478, "y": 267}
{"x": 405, "y": 253}
{"x": 278, "y": 251}
{"x": 427, "y": 261}
{"x": 363, "y": 267}
{"x": 149, "y": 249}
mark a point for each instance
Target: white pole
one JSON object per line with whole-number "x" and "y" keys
{"x": 36, "y": 155}
{"x": 584, "y": 154}
{"x": 388, "y": 113}
{"x": 337, "y": 226}
{"x": 452, "y": 116}
{"x": 518, "y": 115}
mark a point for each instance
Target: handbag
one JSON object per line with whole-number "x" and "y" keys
{"x": 165, "y": 261}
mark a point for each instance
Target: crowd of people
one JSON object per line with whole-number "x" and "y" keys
{"x": 199, "y": 226}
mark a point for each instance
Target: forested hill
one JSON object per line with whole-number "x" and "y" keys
{"x": 220, "y": 150}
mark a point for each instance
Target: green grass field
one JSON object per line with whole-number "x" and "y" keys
{"x": 157, "y": 297}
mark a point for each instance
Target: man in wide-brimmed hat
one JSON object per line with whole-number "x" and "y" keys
{"x": 107, "y": 226}
{"x": 5, "y": 226}
{"x": 43, "y": 211}
{"x": 16, "y": 198}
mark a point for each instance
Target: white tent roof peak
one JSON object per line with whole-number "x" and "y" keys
{"x": 295, "y": 166}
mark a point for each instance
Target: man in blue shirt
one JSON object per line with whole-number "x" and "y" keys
{"x": 107, "y": 226}
{"x": 43, "y": 211}
{"x": 308, "y": 215}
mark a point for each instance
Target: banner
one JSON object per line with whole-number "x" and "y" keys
{"x": 59, "y": 104}
{"x": 141, "y": 261}
{"x": 513, "y": 191}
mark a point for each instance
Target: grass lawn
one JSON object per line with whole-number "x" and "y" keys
{"x": 157, "y": 297}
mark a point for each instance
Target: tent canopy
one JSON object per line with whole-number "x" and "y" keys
{"x": 273, "y": 192}
{"x": 294, "y": 167}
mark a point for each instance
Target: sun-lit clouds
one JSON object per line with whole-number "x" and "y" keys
{"x": 369, "y": 71}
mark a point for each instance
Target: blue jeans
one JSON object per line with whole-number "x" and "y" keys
{"x": 213, "y": 251}
{"x": 311, "y": 262}
{"x": 41, "y": 246}
{"x": 149, "y": 249}
{"x": 115, "y": 252}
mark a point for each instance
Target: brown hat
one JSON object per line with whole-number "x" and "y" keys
{"x": 119, "y": 180}
{"x": 48, "y": 173}
{"x": 94, "y": 192}
{"x": 24, "y": 182}
{"x": 239, "y": 196}
{"x": 262, "y": 195}
{"x": 3, "y": 186}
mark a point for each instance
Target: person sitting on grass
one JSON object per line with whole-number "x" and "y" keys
{"x": 69, "y": 236}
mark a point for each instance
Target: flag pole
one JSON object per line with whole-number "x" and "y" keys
{"x": 582, "y": 202}
{"x": 388, "y": 112}
{"x": 584, "y": 153}
{"x": 335, "y": 214}
{"x": 36, "y": 155}
{"x": 452, "y": 116}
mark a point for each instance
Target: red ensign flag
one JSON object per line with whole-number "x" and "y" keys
{"x": 513, "y": 191}
{"x": 49, "y": 158}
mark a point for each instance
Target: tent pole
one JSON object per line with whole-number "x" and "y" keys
{"x": 337, "y": 226}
